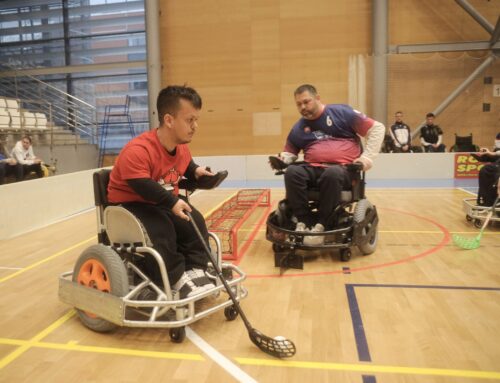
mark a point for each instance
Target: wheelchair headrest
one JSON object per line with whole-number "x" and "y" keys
{"x": 101, "y": 181}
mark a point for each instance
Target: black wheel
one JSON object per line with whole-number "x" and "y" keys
{"x": 345, "y": 255}
{"x": 468, "y": 218}
{"x": 178, "y": 334}
{"x": 478, "y": 223}
{"x": 102, "y": 269}
{"x": 279, "y": 248}
{"x": 363, "y": 207}
{"x": 230, "y": 312}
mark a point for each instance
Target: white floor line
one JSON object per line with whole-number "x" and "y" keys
{"x": 10, "y": 268}
{"x": 467, "y": 191}
{"x": 218, "y": 358}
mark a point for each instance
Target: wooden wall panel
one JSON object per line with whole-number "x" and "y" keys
{"x": 248, "y": 56}
{"x": 431, "y": 21}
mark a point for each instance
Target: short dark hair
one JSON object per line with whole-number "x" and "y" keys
{"x": 306, "y": 88}
{"x": 168, "y": 99}
{"x": 430, "y": 115}
{"x": 26, "y": 137}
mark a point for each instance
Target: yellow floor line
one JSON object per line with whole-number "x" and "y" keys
{"x": 46, "y": 259}
{"x": 25, "y": 345}
{"x": 370, "y": 368}
{"x": 28, "y": 344}
{"x": 73, "y": 346}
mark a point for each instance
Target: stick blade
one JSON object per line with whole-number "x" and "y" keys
{"x": 279, "y": 348}
{"x": 466, "y": 243}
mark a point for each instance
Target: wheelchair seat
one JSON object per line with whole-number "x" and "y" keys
{"x": 352, "y": 194}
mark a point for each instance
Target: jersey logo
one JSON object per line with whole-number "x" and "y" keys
{"x": 329, "y": 121}
{"x": 170, "y": 181}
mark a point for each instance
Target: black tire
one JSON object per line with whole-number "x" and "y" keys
{"x": 468, "y": 218}
{"x": 345, "y": 255}
{"x": 100, "y": 268}
{"x": 478, "y": 223}
{"x": 178, "y": 334}
{"x": 230, "y": 312}
{"x": 362, "y": 208}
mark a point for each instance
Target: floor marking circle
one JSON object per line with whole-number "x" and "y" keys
{"x": 444, "y": 241}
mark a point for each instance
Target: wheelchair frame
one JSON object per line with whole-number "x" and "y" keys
{"x": 477, "y": 214}
{"x": 361, "y": 230}
{"x": 121, "y": 232}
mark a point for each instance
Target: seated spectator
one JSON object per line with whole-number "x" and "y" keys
{"x": 401, "y": 135}
{"x": 9, "y": 166}
{"x": 431, "y": 136}
{"x": 23, "y": 154}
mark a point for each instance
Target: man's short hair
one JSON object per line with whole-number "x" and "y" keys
{"x": 168, "y": 101}
{"x": 398, "y": 112}
{"x": 430, "y": 115}
{"x": 26, "y": 137}
{"x": 306, "y": 88}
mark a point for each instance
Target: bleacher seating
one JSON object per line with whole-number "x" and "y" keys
{"x": 12, "y": 117}
{"x": 12, "y": 107}
{"x": 29, "y": 120}
{"x": 4, "y": 115}
{"x": 41, "y": 121}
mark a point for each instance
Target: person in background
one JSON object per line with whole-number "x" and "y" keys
{"x": 431, "y": 135}
{"x": 24, "y": 155}
{"x": 489, "y": 185}
{"x": 9, "y": 166}
{"x": 401, "y": 135}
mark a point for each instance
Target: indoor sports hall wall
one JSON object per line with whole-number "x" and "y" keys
{"x": 246, "y": 58}
{"x": 37, "y": 203}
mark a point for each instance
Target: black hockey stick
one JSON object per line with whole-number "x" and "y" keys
{"x": 279, "y": 346}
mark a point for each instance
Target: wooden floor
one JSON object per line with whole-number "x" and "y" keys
{"x": 417, "y": 310}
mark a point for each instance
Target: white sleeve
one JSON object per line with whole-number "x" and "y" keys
{"x": 374, "y": 139}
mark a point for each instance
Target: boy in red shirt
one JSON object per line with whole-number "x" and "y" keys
{"x": 145, "y": 181}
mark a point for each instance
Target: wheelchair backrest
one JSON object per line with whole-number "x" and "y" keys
{"x": 464, "y": 144}
{"x": 101, "y": 181}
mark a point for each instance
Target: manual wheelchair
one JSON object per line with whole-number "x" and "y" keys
{"x": 108, "y": 288}
{"x": 353, "y": 223}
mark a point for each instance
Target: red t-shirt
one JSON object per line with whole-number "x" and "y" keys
{"x": 145, "y": 157}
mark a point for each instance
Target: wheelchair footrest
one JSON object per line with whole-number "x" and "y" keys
{"x": 288, "y": 260}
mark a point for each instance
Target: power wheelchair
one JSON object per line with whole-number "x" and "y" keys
{"x": 353, "y": 223}
{"x": 108, "y": 288}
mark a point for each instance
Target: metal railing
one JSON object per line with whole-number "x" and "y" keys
{"x": 62, "y": 109}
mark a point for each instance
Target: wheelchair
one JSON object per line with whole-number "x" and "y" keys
{"x": 353, "y": 223}
{"x": 108, "y": 288}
